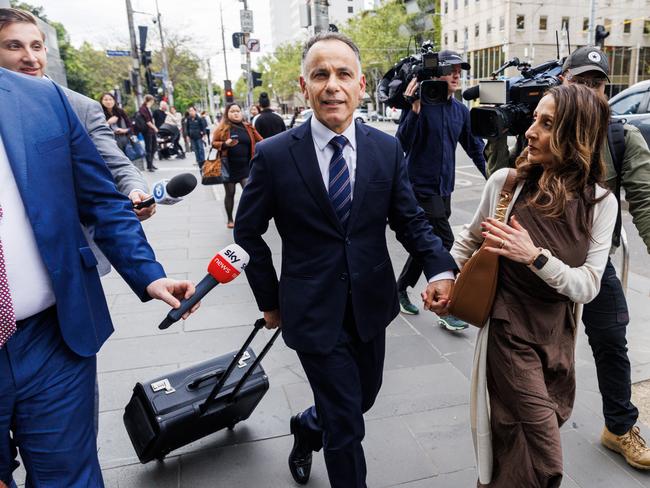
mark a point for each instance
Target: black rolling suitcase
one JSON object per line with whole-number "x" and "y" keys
{"x": 169, "y": 412}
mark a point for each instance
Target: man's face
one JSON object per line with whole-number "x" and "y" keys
{"x": 594, "y": 80}
{"x": 453, "y": 79}
{"x": 333, "y": 83}
{"x": 192, "y": 112}
{"x": 22, "y": 49}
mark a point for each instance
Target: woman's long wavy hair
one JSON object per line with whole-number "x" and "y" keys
{"x": 225, "y": 125}
{"x": 578, "y": 138}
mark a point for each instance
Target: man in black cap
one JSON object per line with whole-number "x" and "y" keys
{"x": 268, "y": 123}
{"x": 627, "y": 162}
{"x": 429, "y": 135}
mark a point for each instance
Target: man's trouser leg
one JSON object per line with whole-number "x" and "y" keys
{"x": 345, "y": 383}
{"x": 606, "y": 319}
{"x": 437, "y": 211}
{"x": 47, "y": 402}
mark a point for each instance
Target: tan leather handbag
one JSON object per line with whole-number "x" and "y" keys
{"x": 476, "y": 285}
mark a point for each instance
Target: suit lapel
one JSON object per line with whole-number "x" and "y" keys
{"x": 365, "y": 158}
{"x": 11, "y": 129}
{"x": 304, "y": 156}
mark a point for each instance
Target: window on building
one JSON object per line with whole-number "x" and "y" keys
{"x": 502, "y": 24}
{"x": 455, "y": 4}
{"x": 446, "y": 40}
{"x": 543, "y": 22}
{"x": 446, "y": 7}
{"x": 646, "y": 26}
{"x": 489, "y": 26}
{"x": 565, "y": 23}
{"x": 455, "y": 37}
{"x": 627, "y": 26}
{"x": 466, "y": 33}
{"x": 585, "y": 24}
{"x": 466, "y": 3}
{"x": 521, "y": 21}
{"x": 350, "y": 10}
{"x": 476, "y": 30}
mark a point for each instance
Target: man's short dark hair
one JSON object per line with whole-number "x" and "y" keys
{"x": 264, "y": 100}
{"x": 330, "y": 36}
{"x": 10, "y": 16}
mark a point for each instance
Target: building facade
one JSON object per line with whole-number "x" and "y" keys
{"x": 286, "y": 18}
{"x": 491, "y": 31}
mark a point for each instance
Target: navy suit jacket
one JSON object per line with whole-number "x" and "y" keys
{"x": 323, "y": 264}
{"x": 64, "y": 183}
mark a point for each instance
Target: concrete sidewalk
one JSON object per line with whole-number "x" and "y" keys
{"x": 418, "y": 432}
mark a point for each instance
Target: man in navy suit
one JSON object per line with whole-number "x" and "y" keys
{"x": 53, "y": 314}
{"x": 331, "y": 185}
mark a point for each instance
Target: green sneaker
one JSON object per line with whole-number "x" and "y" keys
{"x": 452, "y": 323}
{"x": 405, "y": 304}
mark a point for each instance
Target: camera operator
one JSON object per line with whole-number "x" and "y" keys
{"x": 627, "y": 159}
{"x": 429, "y": 135}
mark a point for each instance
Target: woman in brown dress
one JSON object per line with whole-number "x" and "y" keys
{"x": 553, "y": 251}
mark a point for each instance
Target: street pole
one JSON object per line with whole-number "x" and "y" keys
{"x": 169, "y": 89}
{"x": 592, "y": 22}
{"x": 136, "y": 58}
{"x": 210, "y": 92}
{"x": 249, "y": 77}
{"x": 319, "y": 16}
{"x": 223, "y": 40}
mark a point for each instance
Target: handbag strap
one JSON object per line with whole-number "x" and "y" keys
{"x": 505, "y": 197}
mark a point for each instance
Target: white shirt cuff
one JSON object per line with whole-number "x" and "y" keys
{"x": 445, "y": 275}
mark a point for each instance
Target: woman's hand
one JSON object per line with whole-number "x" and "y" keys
{"x": 511, "y": 241}
{"x": 112, "y": 120}
{"x": 230, "y": 142}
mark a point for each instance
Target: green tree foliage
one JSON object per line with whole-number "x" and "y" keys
{"x": 281, "y": 73}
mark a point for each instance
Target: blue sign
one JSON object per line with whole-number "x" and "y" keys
{"x": 113, "y": 53}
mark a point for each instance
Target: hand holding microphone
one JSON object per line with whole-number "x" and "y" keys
{"x": 169, "y": 192}
{"x": 223, "y": 268}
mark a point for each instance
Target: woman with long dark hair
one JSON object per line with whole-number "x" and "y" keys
{"x": 236, "y": 140}
{"x": 553, "y": 244}
{"x": 117, "y": 119}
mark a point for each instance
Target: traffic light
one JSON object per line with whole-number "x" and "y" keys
{"x": 237, "y": 39}
{"x": 146, "y": 58}
{"x": 601, "y": 34}
{"x": 257, "y": 78}
{"x": 227, "y": 89}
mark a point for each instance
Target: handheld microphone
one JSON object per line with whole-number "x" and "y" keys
{"x": 471, "y": 93}
{"x": 224, "y": 267}
{"x": 169, "y": 192}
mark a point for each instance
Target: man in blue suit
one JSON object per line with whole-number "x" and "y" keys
{"x": 331, "y": 185}
{"x": 53, "y": 314}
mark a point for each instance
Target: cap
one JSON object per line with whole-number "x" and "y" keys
{"x": 452, "y": 57}
{"x": 585, "y": 59}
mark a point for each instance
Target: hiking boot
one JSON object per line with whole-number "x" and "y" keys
{"x": 452, "y": 323}
{"x": 630, "y": 445}
{"x": 405, "y": 304}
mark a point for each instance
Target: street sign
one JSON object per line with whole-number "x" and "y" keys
{"x": 253, "y": 45}
{"x": 246, "y": 18}
{"x": 115, "y": 53}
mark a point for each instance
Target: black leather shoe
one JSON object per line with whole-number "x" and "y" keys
{"x": 300, "y": 455}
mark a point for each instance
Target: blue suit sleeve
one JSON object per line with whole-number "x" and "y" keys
{"x": 253, "y": 216}
{"x": 118, "y": 232}
{"x": 411, "y": 227}
{"x": 407, "y": 130}
{"x": 473, "y": 145}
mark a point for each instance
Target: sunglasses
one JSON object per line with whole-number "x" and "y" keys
{"x": 588, "y": 81}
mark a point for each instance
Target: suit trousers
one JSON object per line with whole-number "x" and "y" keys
{"x": 345, "y": 384}
{"x": 437, "y": 210}
{"x": 47, "y": 403}
{"x": 606, "y": 319}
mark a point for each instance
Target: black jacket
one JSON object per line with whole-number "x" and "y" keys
{"x": 195, "y": 127}
{"x": 268, "y": 123}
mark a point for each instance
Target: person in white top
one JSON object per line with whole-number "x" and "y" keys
{"x": 553, "y": 245}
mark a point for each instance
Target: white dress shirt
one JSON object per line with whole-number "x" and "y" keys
{"x": 29, "y": 282}
{"x": 324, "y": 152}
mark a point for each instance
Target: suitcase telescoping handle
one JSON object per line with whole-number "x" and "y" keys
{"x": 259, "y": 323}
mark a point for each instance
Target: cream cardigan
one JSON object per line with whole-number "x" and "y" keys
{"x": 580, "y": 284}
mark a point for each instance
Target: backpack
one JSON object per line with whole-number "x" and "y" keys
{"x": 616, "y": 143}
{"x": 140, "y": 124}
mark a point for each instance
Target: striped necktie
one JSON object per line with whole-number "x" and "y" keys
{"x": 7, "y": 315}
{"x": 340, "y": 190}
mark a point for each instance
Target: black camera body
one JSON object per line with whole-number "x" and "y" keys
{"x": 423, "y": 67}
{"x": 510, "y": 104}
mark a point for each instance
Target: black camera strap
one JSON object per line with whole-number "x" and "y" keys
{"x": 616, "y": 143}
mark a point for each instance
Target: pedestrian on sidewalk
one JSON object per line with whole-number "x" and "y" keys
{"x": 627, "y": 159}
{"x": 554, "y": 246}
{"x": 195, "y": 128}
{"x": 268, "y": 123}
{"x": 145, "y": 125}
{"x": 235, "y": 139}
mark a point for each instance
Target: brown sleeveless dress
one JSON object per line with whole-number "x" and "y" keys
{"x": 530, "y": 357}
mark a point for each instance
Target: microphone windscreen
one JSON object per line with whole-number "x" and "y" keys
{"x": 228, "y": 263}
{"x": 471, "y": 93}
{"x": 181, "y": 185}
